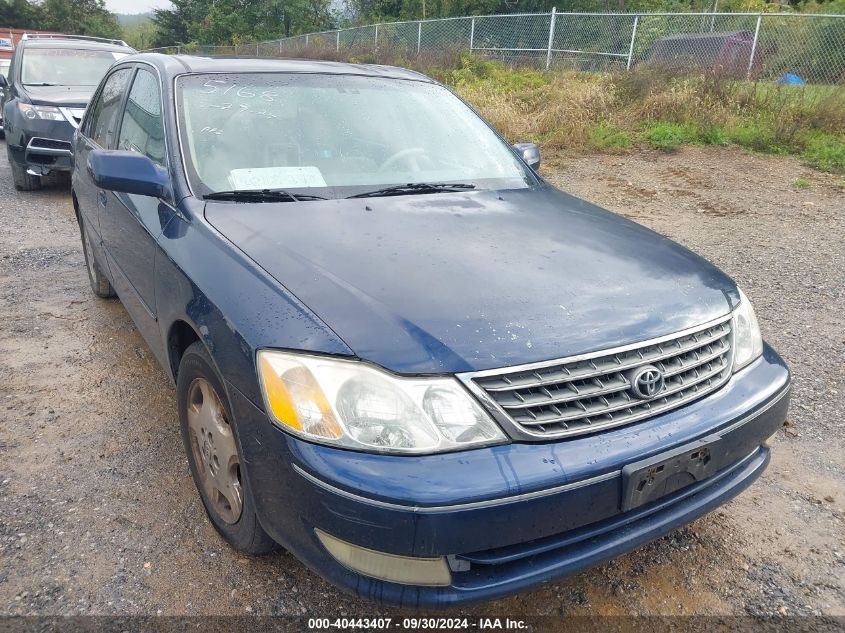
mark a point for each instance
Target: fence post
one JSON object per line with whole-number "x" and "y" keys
{"x": 419, "y": 36}
{"x": 633, "y": 37}
{"x": 337, "y": 41}
{"x": 551, "y": 37}
{"x": 375, "y": 40}
{"x": 754, "y": 44}
{"x": 306, "y": 40}
{"x": 471, "y": 35}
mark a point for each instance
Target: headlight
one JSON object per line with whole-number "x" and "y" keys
{"x": 748, "y": 343}
{"x": 47, "y": 113}
{"x": 354, "y": 405}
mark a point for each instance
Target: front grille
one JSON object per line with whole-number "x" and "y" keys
{"x": 49, "y": 143}
{"x": 593, "y": 392}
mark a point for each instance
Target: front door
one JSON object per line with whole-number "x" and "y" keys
{"x": 131, "y": 224}
{"x": 98, "y": 132}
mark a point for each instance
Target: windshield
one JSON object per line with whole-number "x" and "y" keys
{"x": 4, "y": 67}
{"x": 334, "y": 135}
{"x": 66, "y": 66}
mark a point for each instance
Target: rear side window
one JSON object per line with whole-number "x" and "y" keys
{"x": 142, "y": 130}
{"x": 102, "y": 120}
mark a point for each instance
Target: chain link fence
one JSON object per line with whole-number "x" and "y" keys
{"x": 760, "y": 46}
{"x": 239, "y": 50}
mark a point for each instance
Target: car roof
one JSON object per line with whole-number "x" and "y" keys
{"x": 73, "y": 43}
{"x": 181, "y": 64}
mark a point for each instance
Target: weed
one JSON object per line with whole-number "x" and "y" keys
{"x": 612, "y": 111}
{"x": 825, "y": 152}
{"x": 713, "y": 135}
{"x": 609, "y": 138}
{"x": 669, "y": 136}
{"x": 756, "y": 136}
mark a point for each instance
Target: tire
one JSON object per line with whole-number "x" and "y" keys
{"x": 100, "y": 284}
{"x": 23, "y": 181}
{"x": 210, "y": 438}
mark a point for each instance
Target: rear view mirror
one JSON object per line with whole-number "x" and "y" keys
{"x": 128, "y": 172}
{"x": 530, "y": 154}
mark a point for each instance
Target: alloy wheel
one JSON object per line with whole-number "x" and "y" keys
{"x": 215, "y": 452}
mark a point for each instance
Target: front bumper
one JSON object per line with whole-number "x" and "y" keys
{"x": 44, "y": 155}
{"x": 43, "y": 146}
{"x": 515, "y": 515}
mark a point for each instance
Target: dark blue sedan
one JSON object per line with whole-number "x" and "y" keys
{"x": 398, "y": 352}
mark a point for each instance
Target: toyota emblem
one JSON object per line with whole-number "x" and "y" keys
{"x": 646, "y": 382}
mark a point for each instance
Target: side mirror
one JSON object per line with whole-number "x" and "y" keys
{"x": 3, "y": 81}
{"x": 128, "y": 172}
{"x": 530, "y": 154}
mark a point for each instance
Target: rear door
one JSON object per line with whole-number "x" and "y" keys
{"x": 130, "y": 223}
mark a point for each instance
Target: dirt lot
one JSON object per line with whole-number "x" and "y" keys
{"x": 100, "y": 516}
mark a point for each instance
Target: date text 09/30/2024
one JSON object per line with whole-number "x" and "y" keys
{"x": 417, "y": 623}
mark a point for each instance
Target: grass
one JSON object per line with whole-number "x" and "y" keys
{"x": 616, "y": 112}
{"x": 801, "y": 183}
{"x": 609, "y": 138}
{"x": 669, "y": 136}
{"x": 825, "y": 152}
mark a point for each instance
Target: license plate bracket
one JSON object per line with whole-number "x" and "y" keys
{"x": 654, "y": 477}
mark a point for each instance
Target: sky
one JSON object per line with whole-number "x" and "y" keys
{"x": 135, "y": 6}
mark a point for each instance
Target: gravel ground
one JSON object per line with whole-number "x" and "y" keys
{"x": 100, "y": 516}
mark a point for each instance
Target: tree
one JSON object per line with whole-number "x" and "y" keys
{"x": 173, "y": 26}
{"x": 236, "y": 21}
{"x": 19, "y": 14}
{"x": 79, "y": 17}
{"x": 141, "y": 34}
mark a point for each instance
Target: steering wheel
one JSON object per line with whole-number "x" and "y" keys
{"x": 409, "y": 153}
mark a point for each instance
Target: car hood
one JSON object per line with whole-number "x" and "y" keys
{"x": 65, "y": 96}
{"x": 469, "y": 281}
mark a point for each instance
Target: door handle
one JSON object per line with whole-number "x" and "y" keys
{"x": 101, "y": 197}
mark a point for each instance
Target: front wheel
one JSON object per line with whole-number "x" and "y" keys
{"x": 213, "y": 457}
{"x": 23, "y": 180}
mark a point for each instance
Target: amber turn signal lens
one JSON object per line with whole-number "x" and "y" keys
{"x": 296, "y": 400}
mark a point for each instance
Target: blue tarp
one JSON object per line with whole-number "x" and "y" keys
{"x": 791, "y": 79}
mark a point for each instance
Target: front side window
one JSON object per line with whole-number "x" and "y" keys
{"x": 141, "y": 129}
{"x": 65, "y": 66}
{"x": 334, "y": 135}
{"x": 101, "y": 122}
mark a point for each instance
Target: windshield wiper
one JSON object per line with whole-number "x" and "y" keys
{"x": 414, "y": 187}
{"x": 41, "y": 83}
{"x": 260, "y": 195}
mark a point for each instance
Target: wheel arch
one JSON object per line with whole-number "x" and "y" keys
{"x": 75, "y": 202}
{"x": 180, "y": 336}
